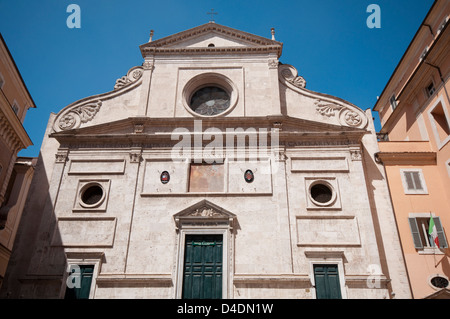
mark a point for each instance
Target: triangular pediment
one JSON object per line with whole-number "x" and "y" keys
{"x": 204, "y": 213}
{"x": 211, "y": 38}
{"x": 204, "y": 209}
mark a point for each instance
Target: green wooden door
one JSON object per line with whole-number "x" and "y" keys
{"x": 203, "y": 267}
{"x": 327, "y": 282}
{"x": 84, "y": 278}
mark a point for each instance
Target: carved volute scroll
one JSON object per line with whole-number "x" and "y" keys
{"x": 289, "y": 74}
{"x": 347, "y": 116}
{"x": 327, "y": 109}
{"x": 133, "y": 75}
{"x": 73, "y": 118}
{"x": 326, "y": 106}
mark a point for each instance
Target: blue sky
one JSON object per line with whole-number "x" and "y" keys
{"x": 328, "y": 41}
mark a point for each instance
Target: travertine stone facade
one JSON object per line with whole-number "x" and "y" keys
{"x": 272, "y": 144}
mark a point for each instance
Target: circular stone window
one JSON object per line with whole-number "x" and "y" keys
{"x": 322, "y": 193}
{"x": 439, "y": 282}
{"x": 209, "y": 95}
{"x": 92, "y": 195}
{"x": 210, "y": 100}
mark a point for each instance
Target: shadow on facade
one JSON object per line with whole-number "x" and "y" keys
{"x": 443, "y": 260}
{"x": 374, "y": 177}
{"x": 36, "y": 267}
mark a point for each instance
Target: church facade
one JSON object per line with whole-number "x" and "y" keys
{"x": 209, "y": 171}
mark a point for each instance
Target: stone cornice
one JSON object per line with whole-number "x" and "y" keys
{"x": 151, "y": 132}
{"x": 161, "y": 141}
{"x": 143, "y": 124}
{"x": 12, "y": 130}
{"x": 410, "y": 158}
{"x": 212, "y": 51}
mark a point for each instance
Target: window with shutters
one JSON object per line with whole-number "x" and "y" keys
{"x": 413, "y": 181}
{"x": 326, "y": 279}
{"x": 327, "y": 275}
{"x": 419, "y": 225}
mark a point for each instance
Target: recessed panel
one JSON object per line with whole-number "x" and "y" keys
{"x": 328, "y": 231}
{"x": 85, "y": 232}
{"x": 319, "y": 164}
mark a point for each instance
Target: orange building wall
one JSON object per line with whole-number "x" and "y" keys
{"x": 420, "y": 266}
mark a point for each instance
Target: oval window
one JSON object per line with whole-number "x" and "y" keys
{"x": 249, "y": 176}
{"x": 165, "y": 177}
{"x": 92, "y": 195}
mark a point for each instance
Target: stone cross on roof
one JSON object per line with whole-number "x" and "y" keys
{"x": 212, "y": 13}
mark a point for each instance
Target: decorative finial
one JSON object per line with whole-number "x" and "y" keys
{"x": 272, "y": 30}
{"x": 211, "y": 13}
{"x": 151, "y": 36}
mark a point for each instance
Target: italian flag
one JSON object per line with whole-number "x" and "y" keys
{"x": 432, "y": 231}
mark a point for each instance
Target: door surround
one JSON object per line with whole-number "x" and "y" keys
{"x": 205, "y": 218}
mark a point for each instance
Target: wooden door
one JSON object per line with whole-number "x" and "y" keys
{"x": 202, "y": 278}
